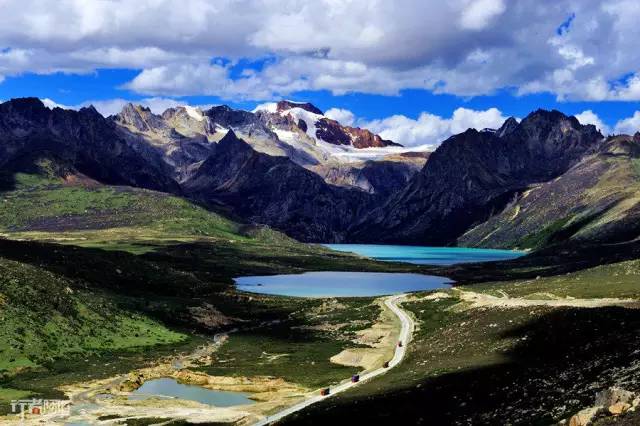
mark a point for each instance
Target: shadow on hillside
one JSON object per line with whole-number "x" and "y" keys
{"x": 556, "y": 260}
{"x": 562, "y": 359}
{"x": 7, "y": 182}
{"x": 162, "y": 284}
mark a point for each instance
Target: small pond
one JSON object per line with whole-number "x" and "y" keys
{"x": 170, "y": 388}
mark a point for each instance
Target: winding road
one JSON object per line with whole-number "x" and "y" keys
{"x": 406, "y": 330}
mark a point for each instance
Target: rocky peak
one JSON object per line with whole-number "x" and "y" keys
{"x": 225, "y": 116}
{"x": 473, "y": 174}
{"x": 229, "y": 138}
{"x": 139, "y": 117}
{"x": 507, "y": 127}
{"x": 25, "y": 103}
{"x": 24, "y": 107}
{"x": 333, "y": 132}
{"x": 286, "y": 105}
{"x": 542, "y": 122}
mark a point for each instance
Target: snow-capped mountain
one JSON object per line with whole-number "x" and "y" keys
{"x": 341, "y": 155}
{"x": 329, "y": 139}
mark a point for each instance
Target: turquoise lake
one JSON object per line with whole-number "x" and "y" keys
{"x": 427, "y": 255}
{"x": 341, "y": 284}
{"x": 170, "y": 388}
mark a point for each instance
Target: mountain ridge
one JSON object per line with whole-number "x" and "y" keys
{"x": 462, "y": 194}
{"x": 472, "y": 174}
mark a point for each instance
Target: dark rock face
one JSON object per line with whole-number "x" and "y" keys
{"x": 228, "y": 117}
{"x": 381, "y": 177}
{"x": 387, "y": 177}
{"x": 474, "y": 174}
{"x": 333, "y": 132}
{"x": 285, "y": 105}
{"x": 82, "y": 139}
{"x": 302, "y": 125}
{"x": 275, "y": 191}
{"x": 595, "y": 201}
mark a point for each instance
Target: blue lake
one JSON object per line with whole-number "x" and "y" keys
{"x": 170, "y": 388}
{"x": 427, "y": 255}
{"x": 340, "y": 284}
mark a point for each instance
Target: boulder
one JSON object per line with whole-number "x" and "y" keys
{"x": 619, "y": 408}
{"x": 613, "y": 395}
{"x": 585, "y": 417}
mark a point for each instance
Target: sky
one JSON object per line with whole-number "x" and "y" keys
{"x": 415, "y": 71}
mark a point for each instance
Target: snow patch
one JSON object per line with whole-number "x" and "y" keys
{"x": 308, "y": 117}
{"x": 194, "y": 113}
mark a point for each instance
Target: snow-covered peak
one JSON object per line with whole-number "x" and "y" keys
{"x": 194, "y": 113}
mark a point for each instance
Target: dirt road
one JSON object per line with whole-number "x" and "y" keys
{"x": 406, "y": 330}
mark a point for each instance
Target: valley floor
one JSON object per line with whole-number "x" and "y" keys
{"x": 85, "y": 310}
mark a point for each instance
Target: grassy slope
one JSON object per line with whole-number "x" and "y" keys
{"x": 532, "y": 365}
{"x": 620, "y": 280}
{"x": 40, "y": 207}
{"x": 45, "y": 318}
{"x": 595, "y": 201}
{"x": 298, "y": 354}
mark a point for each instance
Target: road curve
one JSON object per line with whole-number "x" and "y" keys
{"x": 406, "y": 330}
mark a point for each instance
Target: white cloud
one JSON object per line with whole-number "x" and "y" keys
{"x": 478, "y": 14}
{"x": 590, "y": 117}
{"x": 342, "y": 116}
{"x": 629, "y": 125}
{"x": 461, "y": 47}
{"x": 429, "y": 129}
{"x": 181, "y": 80}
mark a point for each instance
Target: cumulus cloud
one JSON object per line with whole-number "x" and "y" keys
{"x": 461, "y": 47}
{"x": 343, "y": 116}
{"x": 428, "y": 130}
{"x": 590, "y": 117}
{"x": 479, "y": 13}
{"x": 629, "y": 125}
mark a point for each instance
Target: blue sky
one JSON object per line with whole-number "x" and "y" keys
{"x": 105, "y": 84}
{"x": 411, "y": 69}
